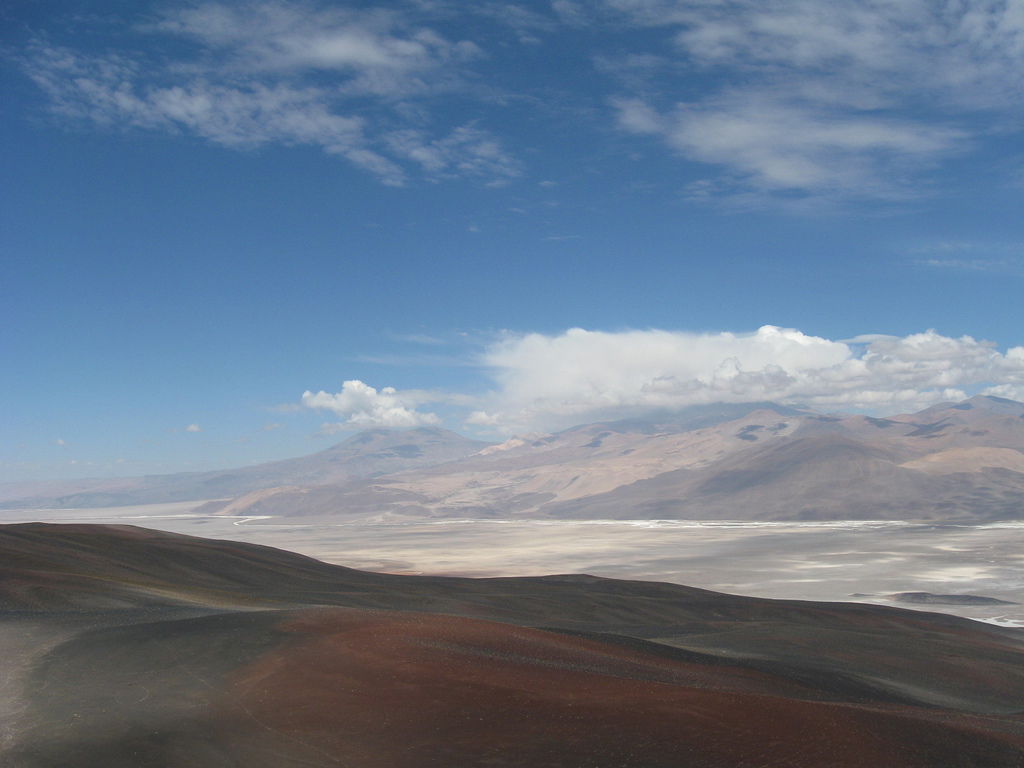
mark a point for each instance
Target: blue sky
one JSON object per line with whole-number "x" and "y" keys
{"x": 214, "y": 214}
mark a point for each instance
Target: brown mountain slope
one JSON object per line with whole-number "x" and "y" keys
{"x": 817, "y": 477}
{"x": 959, "y": 462}
{"x": 366, "y": 454}
{"x": 962, "y": 462}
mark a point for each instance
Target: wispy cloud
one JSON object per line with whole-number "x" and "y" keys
{"x": 798, "y": 102}
{"x": 971, "y": 265}
{"x": 351, "y": 82}
{"x": 813, "y": 97}
{"x": 426, "y": 339}
{"x": 970, "y": 256}
{"x": 416, "y": 360}
{"x": 775, "y": 146}
{"x": 528, "y": 24}
{"x": 375, "y": 49}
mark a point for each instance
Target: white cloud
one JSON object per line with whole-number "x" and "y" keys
{"x": 816, "y": 97}
{"x": 342, "y": 80}
{"x": 1009, "y": 391}
{"x": 329, "y": 428}
{"x": 547, "y": 382}
{"x": 961, "y": 53}
{"x": 570, "y": 12}
{"x": 637, "y": 117}
{"x": 193, "y": 428}
{"x": 466, "y": 151}
{"x": 373, "y": 46}
{"x": 970, "y": 256}
{"x": 524, "y": 21}
{"x": 774, "y": 145}
{"x": 424, "y": 339}
{"x": 969, "y": 265}
{"x": 60, "y": 441}
{"x": 363, "y": 406}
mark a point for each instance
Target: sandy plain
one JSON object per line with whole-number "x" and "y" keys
{"x": 862, "y": 561}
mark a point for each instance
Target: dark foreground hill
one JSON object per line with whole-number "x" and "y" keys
{"x": 127, "y": 647}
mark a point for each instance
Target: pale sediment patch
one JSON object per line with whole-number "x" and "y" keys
{"x": 956, "y": 573}
{"x": 815, "y": 566}
{"x": 1000, "y": 621}
{"x": 22, "y": 643}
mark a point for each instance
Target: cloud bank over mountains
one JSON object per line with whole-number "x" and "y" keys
{"x": 777, "y": 99}
{"x": 547, "y": 382}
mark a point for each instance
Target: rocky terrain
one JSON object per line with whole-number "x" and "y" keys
{"x": 128, "y": 647}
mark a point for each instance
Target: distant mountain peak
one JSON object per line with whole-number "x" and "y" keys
{"x": 992, "y": 402}
{"x": 985, "y": 403}
{"x": 698, "y": 416}
{"x": 382, "y": 436}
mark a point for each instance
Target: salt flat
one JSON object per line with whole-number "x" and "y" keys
{"x": 842, "y": 560}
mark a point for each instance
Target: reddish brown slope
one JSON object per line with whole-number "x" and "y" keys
{"x": 399, "y": 690}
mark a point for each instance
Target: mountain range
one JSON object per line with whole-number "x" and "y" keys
{"x": 124, "y": 648}
{"x": 367, "y": 454}
{"x": 759, "y": 461}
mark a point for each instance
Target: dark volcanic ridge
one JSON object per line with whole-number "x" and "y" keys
{"x": 181, "y": 651}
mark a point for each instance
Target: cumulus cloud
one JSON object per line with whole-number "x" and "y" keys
{"x": 816, "y": 97}
{"x": 1013, "y": 385}
{"x": 342, "y": 80}
{"x": 193, "y": 428}
{"x": 361, "y": 405}
{"x": 552, "y": 381}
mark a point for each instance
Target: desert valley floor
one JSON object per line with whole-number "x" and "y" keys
{"x": 860, "y": 561}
